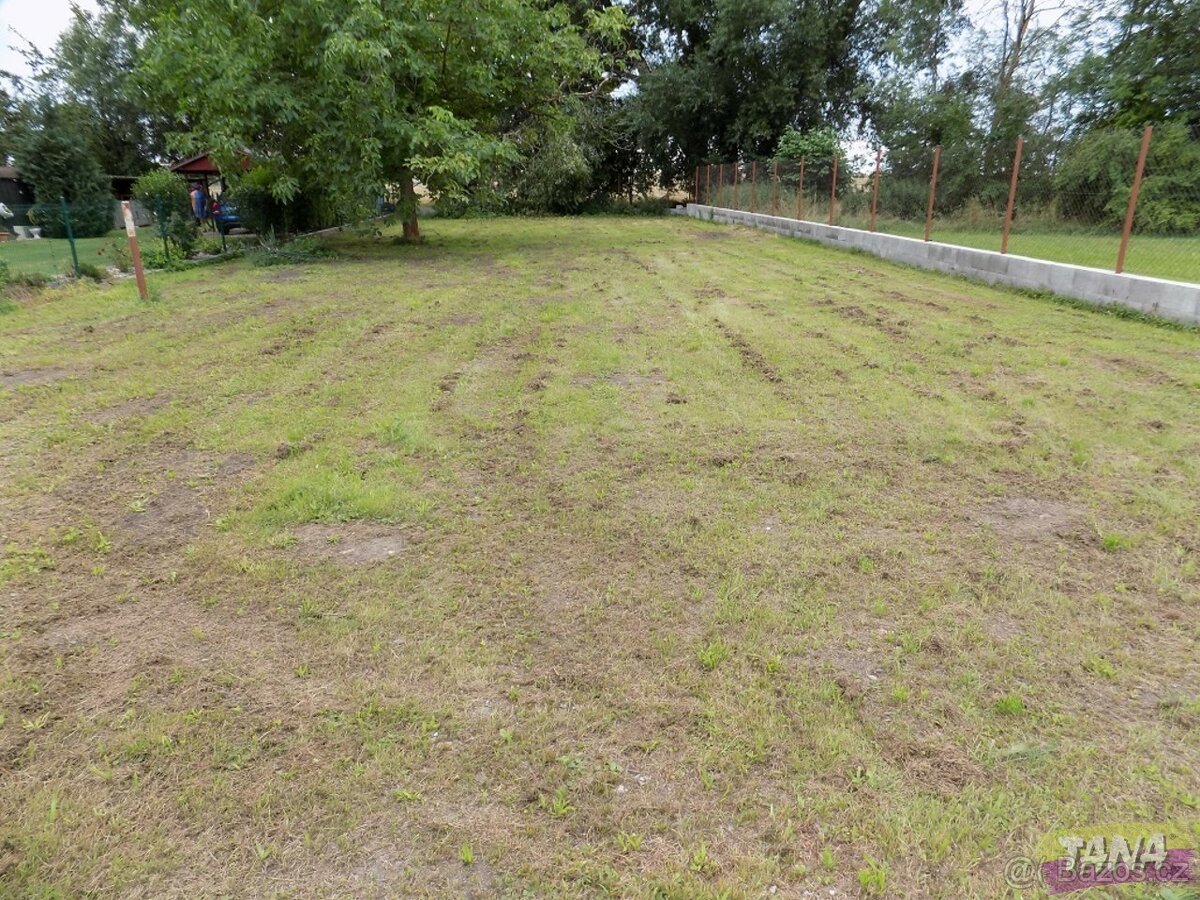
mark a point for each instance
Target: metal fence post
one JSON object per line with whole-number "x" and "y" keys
{"x": 1012, "y": 195}
{"x": 70, "y": 235}
{"x": 162, "y": 230}
{"x": 753, "y": 185}
{"x": 775, "y": 187}
{"x": 800, "y": 192}
{"x": 1133, "y": 199}
{"x": 833, "y": 190}
{"x": 875, "y": 190}
{"x": 696, "y": 186}
{"x": 937, "y": 156}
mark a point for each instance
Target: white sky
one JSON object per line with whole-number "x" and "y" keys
{"x": 41, "y": 21}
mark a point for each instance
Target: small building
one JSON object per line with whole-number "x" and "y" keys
{"x": 203, "y": 171}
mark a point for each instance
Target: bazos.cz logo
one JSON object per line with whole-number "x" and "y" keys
{"x": 1125, "y": 853}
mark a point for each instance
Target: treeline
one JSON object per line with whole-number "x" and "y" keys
{"x": 323, "y": 107}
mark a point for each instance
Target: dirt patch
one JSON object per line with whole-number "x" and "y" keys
{"x": 130, "y": 409}
{"x": 171, "y": 517}
{"x": 48, "y": 375}
{"x": 354, "y": 544}
{"x": 1031, "y": 520}
{"x": 858, "y": 314}
{"x": 751, "y": 357}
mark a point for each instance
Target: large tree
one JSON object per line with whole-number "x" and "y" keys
{"x": 723, "y": 78}
{"x": 1149, "y": 69}
{"x": 344, "y": 98}
{"x": 93, "y": 66}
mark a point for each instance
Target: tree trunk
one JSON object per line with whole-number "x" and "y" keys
{"x": 408, "y": 207}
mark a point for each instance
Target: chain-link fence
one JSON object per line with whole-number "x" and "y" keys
{"x": 40, "y": 242}
{"x": 1122, "y": 204}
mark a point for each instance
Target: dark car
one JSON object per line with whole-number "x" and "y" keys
{"x": 225, "y": 215}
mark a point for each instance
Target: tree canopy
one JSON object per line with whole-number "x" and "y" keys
{"x": 343, "y": 98}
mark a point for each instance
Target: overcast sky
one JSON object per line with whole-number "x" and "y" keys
{"x": 41, "y": 21}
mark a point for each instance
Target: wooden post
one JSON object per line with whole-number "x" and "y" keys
{"x": 737, "y": 183}
{"x": 1012, "y": 195}
{"x": 1133, "y": 199}
{"x": 753, "y": 185}
{"x": 937, "y": 156}
{"x": 800, "y": 192}
{"x": 708, "y": 184}
{"x": 875, "y": 190}
{"x": 775, "y": 187}
{"x": 696, "y": 192}
{"x": 720, "y": 180}
{"x": 833, "y": 190}
{"x": 134, "y": 253}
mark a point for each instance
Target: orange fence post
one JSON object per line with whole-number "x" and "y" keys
{"x": 1012, "y": 195}
{"x": 1133, "y": 199}
{"x": 800, "y": 192}
{"x": 833, "y": 190}
{"x": 875, "y": 190}
{"x": 775, "y": 187}
{"x": 753, "y": 185}
{"x": 134, "y": 253}
{"x": 937, "y": 156}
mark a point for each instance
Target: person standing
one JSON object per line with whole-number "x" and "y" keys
{"x": 199, "y": 204}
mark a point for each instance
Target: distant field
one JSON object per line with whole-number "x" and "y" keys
{"x": 636, "y": 558}
{"x": 1177, "y": 258}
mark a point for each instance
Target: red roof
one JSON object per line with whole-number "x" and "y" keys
{"x": 196, "y": 165}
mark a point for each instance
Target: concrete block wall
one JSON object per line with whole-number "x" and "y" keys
{"x": 1174, "y": 300}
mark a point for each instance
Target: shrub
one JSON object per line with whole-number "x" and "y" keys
{"x": 1096, "y": 176}
{"x": 165, "y": 194}
{"x": 89, "y": 218}
{"x": 155, "y": 257}
{"x": 4, "y": 272}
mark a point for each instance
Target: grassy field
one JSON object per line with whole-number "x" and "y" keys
{"x": 52, "y": 256}
{"x": 640, "y": 558}
{"x": 1173, "y": 257}
{"x": 1176, "y": 258}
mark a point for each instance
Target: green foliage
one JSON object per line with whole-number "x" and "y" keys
{"x": 155, "y": 257}
{"x": 1096, "y": 176}
{"x": 165, "y": 195}
{"x": 295, "y": 252}
{"x": 345, "y": 99}
{"x": 728, "y": 77}
{"x": 817, "y": 147}
{"x": 55, "y": 156}
{"x": 93, "y": 67}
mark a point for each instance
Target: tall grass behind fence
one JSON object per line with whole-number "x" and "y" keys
{"x": 1073, "y": 213}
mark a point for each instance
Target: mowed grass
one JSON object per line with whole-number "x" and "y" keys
{"x": 1174, "y": 257}
{"x": 639, "y": 558}
{"x": 52, "y": 256}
